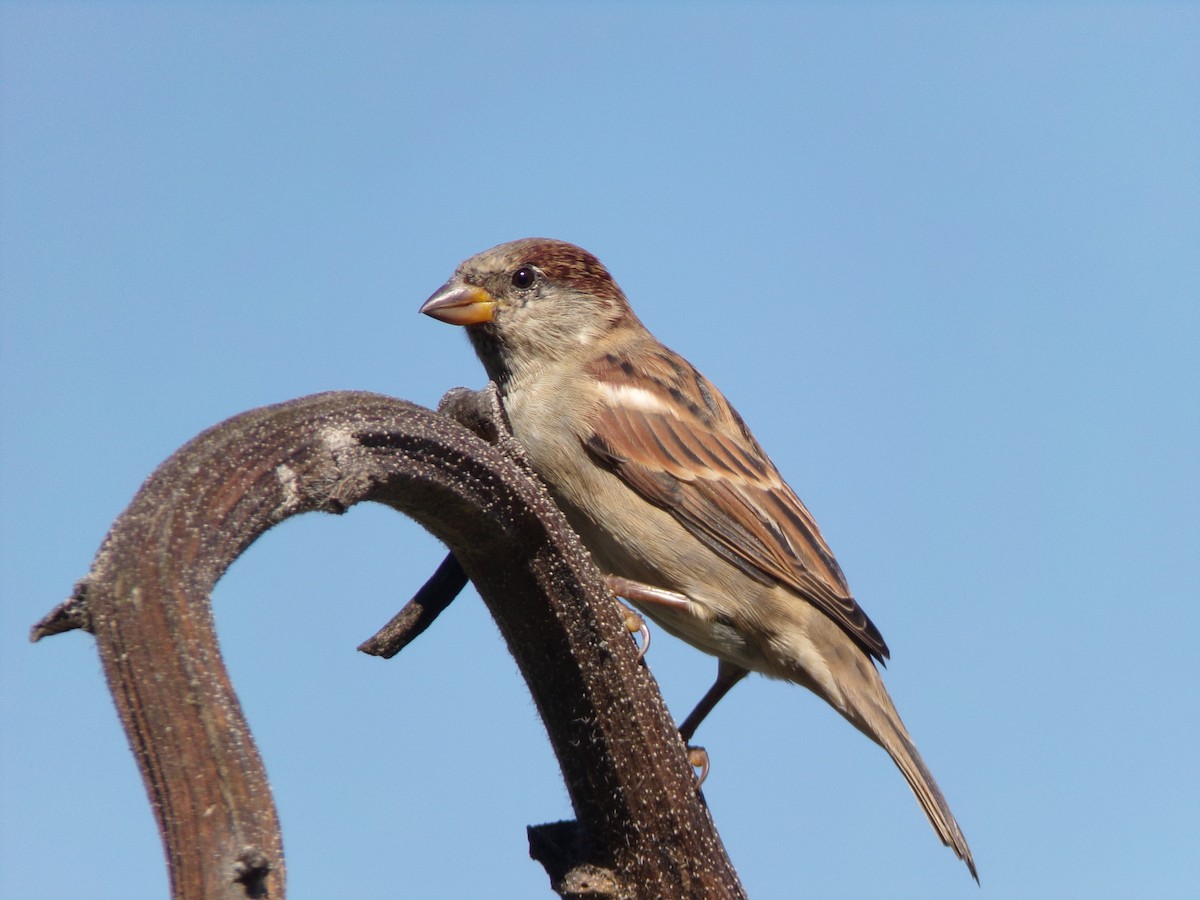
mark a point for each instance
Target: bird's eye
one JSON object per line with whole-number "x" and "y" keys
{"x": 524, "y": 278}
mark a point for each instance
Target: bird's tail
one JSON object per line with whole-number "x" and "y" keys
{"x": 873, "y": 713}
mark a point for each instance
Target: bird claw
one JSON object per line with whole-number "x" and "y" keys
{"x": 635, "y": 624}
{"x": 698, "y": 759}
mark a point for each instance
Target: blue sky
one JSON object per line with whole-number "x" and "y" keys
{"x": 942, "y": 257}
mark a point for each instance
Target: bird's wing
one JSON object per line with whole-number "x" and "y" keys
{"x": 670, "y": 435}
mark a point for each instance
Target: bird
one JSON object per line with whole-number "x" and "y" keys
{"x": 678, "y": 504}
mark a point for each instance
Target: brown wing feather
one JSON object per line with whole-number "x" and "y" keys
{"x": 675, "y": 440}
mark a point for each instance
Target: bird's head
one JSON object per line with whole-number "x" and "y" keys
{"x": 530, "y": 302}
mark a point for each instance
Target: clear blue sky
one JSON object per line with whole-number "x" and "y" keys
{"x": 945, "y": 258}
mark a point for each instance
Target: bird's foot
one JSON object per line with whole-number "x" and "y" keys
{"x": 635, "y": 624}
{"x": 698, "y": 758}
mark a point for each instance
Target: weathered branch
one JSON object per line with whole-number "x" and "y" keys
{"x": 642, "y": 831}
{"x": 418, "y": 614}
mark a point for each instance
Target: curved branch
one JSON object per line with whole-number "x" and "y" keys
{"x": 643, "y": 829}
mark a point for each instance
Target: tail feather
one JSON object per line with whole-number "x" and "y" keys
{"x": 904, "y": 753}
{"x": 867, "y": 705}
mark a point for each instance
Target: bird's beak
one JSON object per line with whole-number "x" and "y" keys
{"x": 460, "y": 304}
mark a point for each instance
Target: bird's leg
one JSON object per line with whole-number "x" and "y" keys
{"x": 646, "y": 593}
{"x": 642, "y": 593}
{"x": 728, "y": 674}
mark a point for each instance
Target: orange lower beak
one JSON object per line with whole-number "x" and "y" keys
{"x": 460, "y": 304}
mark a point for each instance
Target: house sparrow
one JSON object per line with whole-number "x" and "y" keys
{"x": 676, "y": 501}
